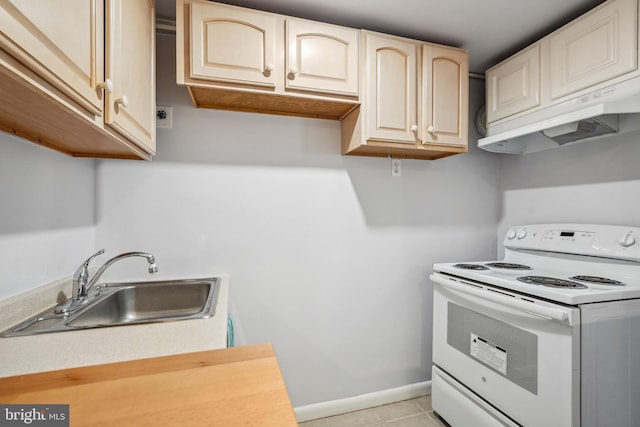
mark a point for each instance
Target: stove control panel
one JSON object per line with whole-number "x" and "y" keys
{"x": 608, "y": 241}
{"x": 579, "y": 237}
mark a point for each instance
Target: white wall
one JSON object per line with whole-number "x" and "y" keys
{"x": 590, "y": 182}
{"x": 329, "y": 255}
{"x": 47, "y": 211}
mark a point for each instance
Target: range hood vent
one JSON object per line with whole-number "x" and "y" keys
{"x": 610, "y": 111}
{"x": 594, "y": 127}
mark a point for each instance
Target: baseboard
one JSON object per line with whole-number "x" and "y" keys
{"x": 364, "y": 401}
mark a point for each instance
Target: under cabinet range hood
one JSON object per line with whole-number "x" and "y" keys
{"x": 609, "y": 111}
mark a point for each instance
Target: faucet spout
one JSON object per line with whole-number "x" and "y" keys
{"x": 151, "y": 260}
{"x": 82, "y": 285}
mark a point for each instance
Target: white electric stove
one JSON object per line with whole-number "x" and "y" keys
{"x": 549, "y": 335}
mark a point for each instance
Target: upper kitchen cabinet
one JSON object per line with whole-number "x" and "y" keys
{"x": 321, "y": 58}
{"x": 232, "y": 45}
{"x": 69, "y": 57}
{"x": 78, "y": 76}
{"x": 391, "y": 88}
{"x": 241, "y": 59}
{"x": 130, "y": 65}
{"x": 594, "y": 51}
{"x": 594, "y": 48}
{"x": 445, "y": 102}
{"x": 415, "y": 100}
{"x": 513, "y": 86}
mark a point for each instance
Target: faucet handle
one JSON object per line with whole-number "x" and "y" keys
{"x": 81, "y": 276}
{"x": 100, "y": 252}
{"x": 85, "y": 265}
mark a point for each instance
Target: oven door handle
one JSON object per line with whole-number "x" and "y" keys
{"x": 528, "y": 307}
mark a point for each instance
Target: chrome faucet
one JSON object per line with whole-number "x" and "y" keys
{"x": 85, "y": 287}
{"x": 82, "y": 285}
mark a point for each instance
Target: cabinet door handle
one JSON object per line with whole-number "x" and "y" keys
{"x": 431, "y": 130}
{"x": 292, "y": 73}
{"x": 268, "y": 69}
{"x": 122, "y": 101}
{"x": 106, "y": 85}
{"x": 414, "y": 128}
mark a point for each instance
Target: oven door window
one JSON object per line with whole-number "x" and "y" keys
{"x": 509, "y": 351}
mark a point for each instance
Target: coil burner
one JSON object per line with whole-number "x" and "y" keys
{"x": 551, "y": 282}
{"x": 471, "y": 267}
{"x": 597, "y": 280}
{"x": 508, "y": 266}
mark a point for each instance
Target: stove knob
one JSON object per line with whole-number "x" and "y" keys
{"x": 511, "y": 234}
{"x": 627, "y": 240}
{"x": 521, "y": 234}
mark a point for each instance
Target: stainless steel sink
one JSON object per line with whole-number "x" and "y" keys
{"x": 144, "y": 303}
{"x": 131, "y": 303}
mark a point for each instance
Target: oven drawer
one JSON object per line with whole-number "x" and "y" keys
{"x": 520, "y": 355}
{"x": 461, "y": 407}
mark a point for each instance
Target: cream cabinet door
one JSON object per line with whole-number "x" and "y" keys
{"x": 445, "y": 101}
{"x": 391, "y": 89}
{"x": 321, "y": 57}
{"x": 68, "y": 53}
{"x": 232, "y": 44}
{"x": 513, "y": 86}
{"x": 130, "y": 64}
{"x": 599, "y": 46}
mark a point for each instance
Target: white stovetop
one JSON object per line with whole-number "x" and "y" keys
{"x": 562, "y": 251}
{"x": 593, "y": 292}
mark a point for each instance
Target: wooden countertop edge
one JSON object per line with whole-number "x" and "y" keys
{"x": 11, "y": 386}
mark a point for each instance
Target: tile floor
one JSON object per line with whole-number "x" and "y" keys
{"x": 409, "y": 413}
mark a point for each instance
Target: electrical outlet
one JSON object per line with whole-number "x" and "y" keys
{"x": 163, "y": 116}
{"x": 396, "y": 167}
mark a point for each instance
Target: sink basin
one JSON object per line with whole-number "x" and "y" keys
{"x": 146, "y": 303}
{"x": 131, "y": 303}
